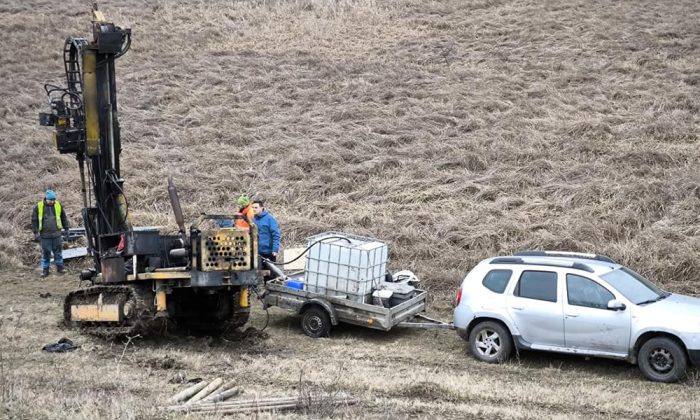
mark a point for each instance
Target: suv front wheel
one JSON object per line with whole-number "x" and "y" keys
{"x": 662, "y": 360}
{"x": 490, "y": 342}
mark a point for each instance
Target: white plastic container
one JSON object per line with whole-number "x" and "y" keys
{"x": 345, "y": 265}
{"x": 382, "y": 298}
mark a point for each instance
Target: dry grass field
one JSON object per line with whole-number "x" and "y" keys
{"x": 455, "y": 129}
{"x": 400, "y": 374}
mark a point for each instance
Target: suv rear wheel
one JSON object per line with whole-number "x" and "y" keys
{"x": 661, "y": 359}
{"x": 490, "y": 342}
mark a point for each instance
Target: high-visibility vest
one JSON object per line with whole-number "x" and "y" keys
{"x": 248, "y": 213}
{"x": 57, "y": 207}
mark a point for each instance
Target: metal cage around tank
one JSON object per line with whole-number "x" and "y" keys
{"x": 342, "y": 264}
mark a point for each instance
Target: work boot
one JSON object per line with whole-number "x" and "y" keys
{"x": 45, "y": 273}
{"x": 60, "y": 269}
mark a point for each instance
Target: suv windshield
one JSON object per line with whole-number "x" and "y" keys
{"x": 633, "y": 286}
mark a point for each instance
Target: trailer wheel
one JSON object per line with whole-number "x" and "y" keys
{"x": 315, "y": 322}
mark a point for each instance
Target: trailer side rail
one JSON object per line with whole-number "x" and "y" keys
{"x": 362, "y": 314}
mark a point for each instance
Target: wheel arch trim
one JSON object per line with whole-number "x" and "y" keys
{"x": 479, "y": 318}
{"x": 647, "y": 335}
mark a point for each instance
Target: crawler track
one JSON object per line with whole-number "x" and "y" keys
{"x": 140, "y": 320}
{"x": 141, "y": 317}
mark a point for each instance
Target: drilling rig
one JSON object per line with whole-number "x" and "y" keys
{"x": 197, "y": 278}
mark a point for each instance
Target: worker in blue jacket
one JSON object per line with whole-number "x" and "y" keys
{"x": 268, "y": 231}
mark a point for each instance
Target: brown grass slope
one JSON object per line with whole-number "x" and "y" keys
{"x": 455, "y": 129}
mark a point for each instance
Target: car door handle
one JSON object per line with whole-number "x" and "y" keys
{"x": 518, "y": 308}
{"x": 571, "y": 316}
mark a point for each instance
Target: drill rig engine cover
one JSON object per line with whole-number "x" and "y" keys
{"x": 197, "y": 279}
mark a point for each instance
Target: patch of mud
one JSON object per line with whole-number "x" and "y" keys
{"x": 248, "y": 336}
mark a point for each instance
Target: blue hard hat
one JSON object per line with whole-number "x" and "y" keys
{"x": 50, "y": 195}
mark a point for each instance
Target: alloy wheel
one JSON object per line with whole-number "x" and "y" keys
{"x": 488, "y": 343}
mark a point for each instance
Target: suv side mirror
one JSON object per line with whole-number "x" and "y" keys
{"x": 616, "y": 305}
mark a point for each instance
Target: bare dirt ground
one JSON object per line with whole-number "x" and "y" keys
{"x": 399, "y": 374}
{"x": 457, "y": 130}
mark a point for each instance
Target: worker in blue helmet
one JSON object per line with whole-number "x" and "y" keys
{"x": 48, "y": 220}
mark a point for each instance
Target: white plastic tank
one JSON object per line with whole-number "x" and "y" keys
{"x": 343, "y": 264}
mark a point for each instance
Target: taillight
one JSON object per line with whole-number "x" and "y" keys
{"x": 459, "y": 294}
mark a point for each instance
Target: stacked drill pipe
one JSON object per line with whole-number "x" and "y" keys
{"x": 209, "y": 397}
{"x": 205, "y": 392}
{"x": 266, "y": 404}
{"x": 226, "y": 391}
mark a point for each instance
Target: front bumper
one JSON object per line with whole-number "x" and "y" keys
{"x": 692, "y": 344}
{"x": 694, "y": 356}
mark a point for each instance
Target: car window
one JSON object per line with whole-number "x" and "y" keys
{"x": 633, "y": 286}
{"x": 540, "y": 285}
{"x": 497, "y": 280}
{"x": 581, "y": 291}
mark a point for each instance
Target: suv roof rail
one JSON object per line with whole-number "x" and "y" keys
{"x": 565, "y": 254}
{"x": 517, "y": 260}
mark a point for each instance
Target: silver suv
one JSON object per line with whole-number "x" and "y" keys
{"x": 577, "y": 303}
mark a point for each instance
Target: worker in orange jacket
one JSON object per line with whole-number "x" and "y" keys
{"x": 246, "y": 210}
{"x": 244, "y": 222}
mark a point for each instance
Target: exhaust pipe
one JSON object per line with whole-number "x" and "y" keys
{"x": 175, "y": 203}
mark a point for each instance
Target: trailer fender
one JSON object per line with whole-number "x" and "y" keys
{"x": 327, "y": 306}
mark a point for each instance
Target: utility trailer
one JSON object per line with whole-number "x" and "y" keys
{"x": 320, "y": 312}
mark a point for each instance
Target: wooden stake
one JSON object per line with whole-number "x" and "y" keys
{"x": 223, "y": 388}
{"x": 221, "y": 396}
{"x": 206, "y": 391}
{"x": 181, "y": 396}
